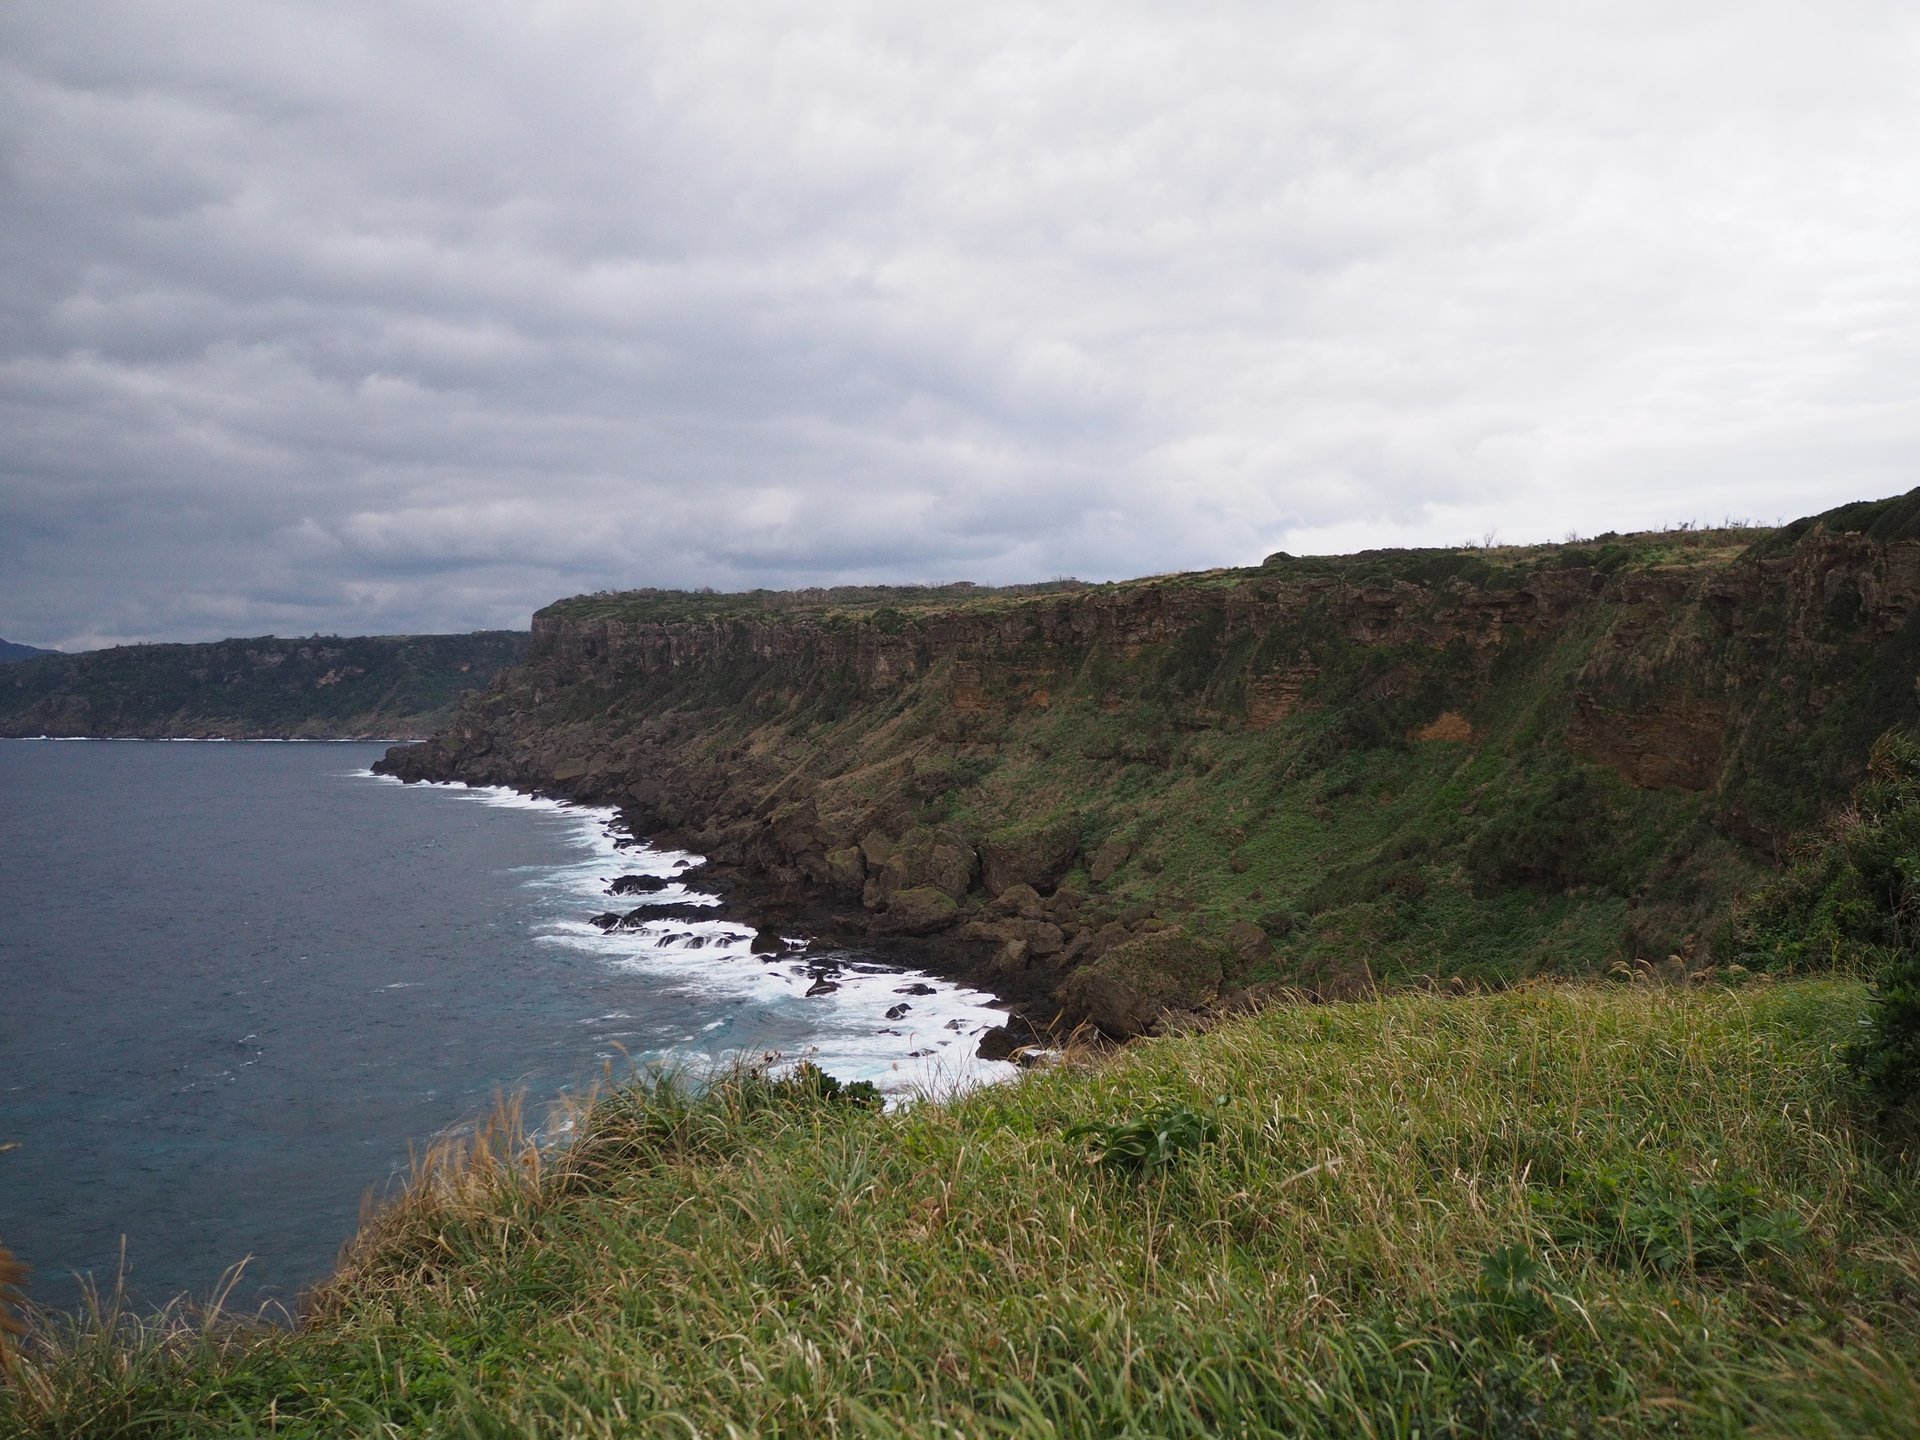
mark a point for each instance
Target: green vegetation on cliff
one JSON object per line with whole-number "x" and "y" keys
{"x": 1561, "y": 1210}
{"x": 322, "y": 687}
{"x": 1471, "y": 765}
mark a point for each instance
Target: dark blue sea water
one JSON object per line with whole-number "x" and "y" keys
{"x": 239, "y": 981}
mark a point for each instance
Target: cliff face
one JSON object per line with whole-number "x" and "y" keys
{"x": 1442, "y": 762}
{"x": 319, "y": 688}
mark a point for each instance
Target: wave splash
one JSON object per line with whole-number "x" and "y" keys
{"x": 910, "y": 1034}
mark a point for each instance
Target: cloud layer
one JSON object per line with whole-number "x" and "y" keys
{"x": 388, "y": 316}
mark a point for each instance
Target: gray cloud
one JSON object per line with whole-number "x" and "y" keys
{"x": 356, "y": 316}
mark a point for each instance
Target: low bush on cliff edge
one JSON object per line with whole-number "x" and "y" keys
{"x": 1852, "y": 900}
{"x": 1557, "y": 1210}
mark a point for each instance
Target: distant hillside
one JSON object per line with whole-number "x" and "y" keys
{"x": 320, "y": 688}
{"x": 10, "y": 652}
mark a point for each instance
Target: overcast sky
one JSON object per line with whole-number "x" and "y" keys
{"x": 385, "y": 316}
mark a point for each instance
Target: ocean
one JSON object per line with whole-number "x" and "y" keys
{"x": 242, "y": 983}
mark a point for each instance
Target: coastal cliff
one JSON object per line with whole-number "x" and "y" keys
{"x": 1121, "y": 802}
{"x": 320, "y": 688}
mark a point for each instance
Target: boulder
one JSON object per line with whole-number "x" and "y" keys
{"x": 1109, "y": 936}
{"x": 1111, "y": 855}
{"x": 1021, "y": 900}
{"x": 641, "y": 884}
{"x": 847, "y": 870}
{"x": 1248, "y": 940}
{"x": 1042, "y": 938}
{"x": 919, "y": 911}
{"x": 1031, "y": 855}
{"x": 939, "y": 858}
{"x": 1011, "y": 957}
{"x": 996, "y": 931}
{"x": 1131, "y": 987}
{"x": 1064, "y": 905}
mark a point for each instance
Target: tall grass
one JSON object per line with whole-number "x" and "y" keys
{"x": 1558, "y": 1210}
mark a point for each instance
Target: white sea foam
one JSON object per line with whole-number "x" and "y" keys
{"x": 843, "y": 1026}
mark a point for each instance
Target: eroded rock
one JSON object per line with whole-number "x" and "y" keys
{"x": 921, "y": 910}
{"x": 1034, "y": 856}
{"x": 1127, "y": 990}
{"x": 1112, "y": 854}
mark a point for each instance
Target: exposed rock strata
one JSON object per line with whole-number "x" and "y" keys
{"x": 1751, "y": 680}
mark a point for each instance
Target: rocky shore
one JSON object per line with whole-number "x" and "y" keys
{"x": 930, "y": 901}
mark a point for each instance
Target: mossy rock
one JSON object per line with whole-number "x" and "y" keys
{"x": 1129, "y": 988}
{"x": 1035, "y": 855}
{"x": 846, "y": 870}
{"x": 938, "y": 857}
{"x": 919, "y": 911}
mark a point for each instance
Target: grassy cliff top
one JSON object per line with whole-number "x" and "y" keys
{"x": 1561, "y": 1210}
{"x": 1492, "y": 566}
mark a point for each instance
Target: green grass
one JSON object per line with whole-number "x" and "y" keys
{"x": 1559, "y": 1210}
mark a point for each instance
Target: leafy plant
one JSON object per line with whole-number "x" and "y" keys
{"x": 1509, "y": 1295}
{"x": 1150, "y": 1142}
{"x": 1887, "y": 1054}
{"x": 809, "y": 1083}
{"x": 1853, "y": 897}
{"x": 1660, "y": 1224}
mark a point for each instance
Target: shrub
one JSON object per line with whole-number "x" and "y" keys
{"x": 1151, "y": 1142}
{"x": 1852, "y": 896}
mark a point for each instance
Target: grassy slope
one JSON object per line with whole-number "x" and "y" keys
{"x": 1362, "y": 852}
{"x": 1717, "y": 1249}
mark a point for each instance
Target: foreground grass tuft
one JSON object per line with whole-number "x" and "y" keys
{"x": 1558, "y": 1210}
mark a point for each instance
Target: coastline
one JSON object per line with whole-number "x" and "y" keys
{"x": 771, "y": 901}
{"x": 691, "y": 914}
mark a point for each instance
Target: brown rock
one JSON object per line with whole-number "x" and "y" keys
{"x": 1011, "y": 957}
{"x": 921, "y": 910}
{"x": 1127, "y": 990}
{"x": 1111, "y": 855}
{"x": 1033, "y": 855}
{"x": 1112, "y": 934}
{"x": 1021, "y": 900}
{"x": 940, "y": 858}
{"x": 1248, "y": 940}
{"x": 997, "y": 931}
{"x": 847, "y": 870}
{"x": 1043, "y": 939}
{"x": 1064, "y": 904}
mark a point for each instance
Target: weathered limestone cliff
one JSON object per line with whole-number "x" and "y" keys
{"x": 1126, "y": 800}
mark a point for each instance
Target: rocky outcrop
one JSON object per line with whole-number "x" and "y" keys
{"x": 1029, "y": 855}
{"x": 1133, "y": 986}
